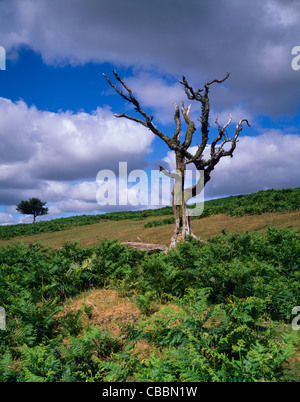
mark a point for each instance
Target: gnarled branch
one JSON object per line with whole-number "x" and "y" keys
{"x": 176, "y": 135}
{"x": 220, "y": 136}
{"x": 147, "y": 121}
{"x": 190, "y": 128}
{"x": 205, "y": 108}
{"x": 216, "y": 155}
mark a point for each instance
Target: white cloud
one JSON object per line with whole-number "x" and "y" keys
{"x": 156, "y": 93}
{"x": 282, "y": 13}
{"x": 202, "y": 40}
{"x": 159, "y": 95}
{"x": 270, "y": 160}
{"x": 76, "y": 206}
{"x": 266, "y": 161}
{"x": 45, "y": 139}
{"x": 39, "y": 149}
{"x": 6, "y": 219}
{"x": 84, "y": 191}
{"x": 42, "y": 154}
{"x": 56, "y": 156}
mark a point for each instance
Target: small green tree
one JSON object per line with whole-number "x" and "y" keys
{"x": 33, "y": 207}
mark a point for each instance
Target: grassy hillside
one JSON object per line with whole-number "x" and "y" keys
{"x": 219, "y": 311}
{"x": 238, "y": 213}
{"x": 130, "y": 230}
{"x": 95, "y": 310}
{"x": 252, "y": 204}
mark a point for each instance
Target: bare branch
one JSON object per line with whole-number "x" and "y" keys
{"x": 205, "y": 109}
{"x": 195, "y": 95}
{"x": 147, "y": 122}
{"x": 129, "y": 98}
{"x": 207, "y": 84}
{"x": 234, "y": 140}
{"x": 220, "y": 136}
{"x": 225, "y": 126}
{"x": 176, "y": 135}
{"x": 191, "y": 126}
{"x": 143, "y": 123}
{"x": 116, "y": 89}
{"x": 216, "y": 156}
{"x": 169, "y": 174}
{"x": 190, "y": 93}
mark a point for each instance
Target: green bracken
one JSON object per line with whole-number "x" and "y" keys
{"x": 234, "y": 296}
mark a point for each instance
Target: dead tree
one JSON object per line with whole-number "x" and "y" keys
{"x": 183, "y": 156}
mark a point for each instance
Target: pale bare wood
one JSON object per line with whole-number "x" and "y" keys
{"x": 182, "y": 155}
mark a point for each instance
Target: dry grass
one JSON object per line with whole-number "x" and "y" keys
{"x": 108, "y": 309}
{"x": 129, "y": 230}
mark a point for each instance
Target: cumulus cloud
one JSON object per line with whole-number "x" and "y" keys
{"x": 6, "y": 219}
{"x": 259, "y": 163}
{"x": 202, "y": 40}
{"x": 67, "y": 145}
{"x": 40, "y": 149}
{"x": 270, "y": 160}
{"x": 157, "y": 94}
{"x": 56, "y": 156}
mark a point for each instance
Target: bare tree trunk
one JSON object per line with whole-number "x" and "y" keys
{"x": 179, "y": 203}
{"x": 182, "y": 224}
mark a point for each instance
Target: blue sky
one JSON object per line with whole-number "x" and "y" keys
{"x": 57, "y": 123}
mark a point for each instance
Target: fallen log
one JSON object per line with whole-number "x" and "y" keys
{"x": 145, "y": 246}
